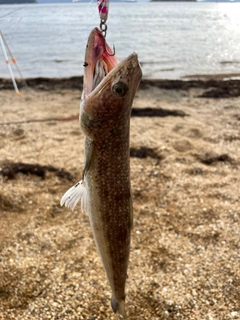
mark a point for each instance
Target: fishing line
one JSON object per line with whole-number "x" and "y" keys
{"x": 7, "y": 14}
{"x": 90, "y": 10}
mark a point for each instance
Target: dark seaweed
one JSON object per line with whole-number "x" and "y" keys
{"x": 214, "y": 88}
{"x": 11, "y": 169}
{"x": 156, "y": 112}
{"x": 144, "y": 152}
{"x": 209, "y": 159}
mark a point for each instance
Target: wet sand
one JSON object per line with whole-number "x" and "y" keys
{"x": 185, "y": 151}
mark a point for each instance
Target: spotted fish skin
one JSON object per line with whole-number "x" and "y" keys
{"x": 105, "y": 113}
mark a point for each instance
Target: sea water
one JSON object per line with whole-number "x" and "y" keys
{"x": 172, "y": 39}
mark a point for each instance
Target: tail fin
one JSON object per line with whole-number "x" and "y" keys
{"x": 118, "y": 307}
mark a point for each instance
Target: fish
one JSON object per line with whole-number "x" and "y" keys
{"x": 104, "y": 189}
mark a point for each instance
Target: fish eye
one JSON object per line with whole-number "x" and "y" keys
{"x": 120, "y": 89}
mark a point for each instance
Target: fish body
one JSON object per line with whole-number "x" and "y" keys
{"x": 105, "y": 191}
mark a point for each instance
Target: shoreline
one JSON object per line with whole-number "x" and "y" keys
{"x": 213, "y": 87}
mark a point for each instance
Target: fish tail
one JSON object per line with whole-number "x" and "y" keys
{"x": 118, "y": 307}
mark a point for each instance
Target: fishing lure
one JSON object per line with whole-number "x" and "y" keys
{"x": 103, "y": 9}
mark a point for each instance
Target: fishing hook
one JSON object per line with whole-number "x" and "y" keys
{"x": 103, "y": 28}
{"x": 105, "y": 48}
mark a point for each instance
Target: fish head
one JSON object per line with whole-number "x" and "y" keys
{"x": 109, "y": 86}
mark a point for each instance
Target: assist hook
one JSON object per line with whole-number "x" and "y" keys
{"x": 103, "y": 28}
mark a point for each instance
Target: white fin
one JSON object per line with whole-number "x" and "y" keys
{"x": 74, "y": 194}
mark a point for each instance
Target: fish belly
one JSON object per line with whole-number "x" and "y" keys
{"x": 108, "y": 184}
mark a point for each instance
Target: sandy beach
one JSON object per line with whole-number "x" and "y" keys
{"x": 185, "y": 251}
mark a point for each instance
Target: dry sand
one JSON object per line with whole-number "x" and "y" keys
{"x": 185, "y": 258}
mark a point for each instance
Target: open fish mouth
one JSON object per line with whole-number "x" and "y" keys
{"x": 100, "y": 67}
{"x": 98, "y": 63}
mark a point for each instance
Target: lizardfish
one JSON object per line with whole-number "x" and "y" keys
{"x": 104, "y": 191}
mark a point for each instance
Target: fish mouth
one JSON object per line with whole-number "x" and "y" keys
{"x": 98, "y": 63}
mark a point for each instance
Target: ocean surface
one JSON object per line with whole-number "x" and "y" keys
{"x": 172, "y": 39}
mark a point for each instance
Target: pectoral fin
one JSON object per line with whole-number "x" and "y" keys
{"x": 74, "y": 195}
{"x": 78, "y": 191}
